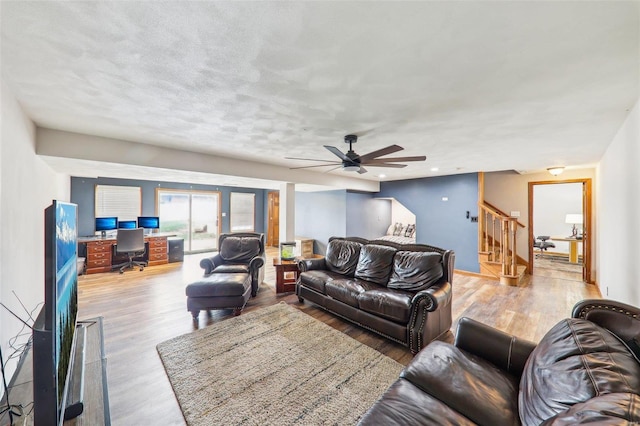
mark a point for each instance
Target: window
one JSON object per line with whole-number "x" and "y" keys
{"x": 124, "y": 202}
{"x": 242, "y": 212}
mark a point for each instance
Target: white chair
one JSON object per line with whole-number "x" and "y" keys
{"x": 131, "y": 243}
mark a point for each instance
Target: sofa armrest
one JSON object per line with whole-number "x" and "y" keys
{"x": 438, "y": 294}
{"x": 311, "y": 264}
{"x": 505, "y": 351}
{"x": 210, "y": 263}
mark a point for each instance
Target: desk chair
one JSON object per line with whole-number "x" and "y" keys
{"x": 131, "y": 243}
{"x": 542, "y": 243}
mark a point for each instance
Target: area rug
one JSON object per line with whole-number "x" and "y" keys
{"x": 274, "y": 366}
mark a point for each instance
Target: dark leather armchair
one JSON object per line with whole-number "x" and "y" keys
{"x": 240, "y": 252}
{"x": 586, "y": 369}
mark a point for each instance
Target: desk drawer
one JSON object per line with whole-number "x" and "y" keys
{"x": 96, "y": 263}
{"x": 157, "y": 241}
{"x": 98, "y": 247}
{"x": 158, "y": 250}
{"x": 91, "y": 257}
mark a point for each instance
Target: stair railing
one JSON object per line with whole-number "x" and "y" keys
{"x": 498, "y": 237}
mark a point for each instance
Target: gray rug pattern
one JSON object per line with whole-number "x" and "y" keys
{"x": 274, "y": 366}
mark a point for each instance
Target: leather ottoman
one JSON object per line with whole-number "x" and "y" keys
{"x": 219, "y": 291}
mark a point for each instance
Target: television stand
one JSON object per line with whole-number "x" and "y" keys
{"x": 95, "y": 400}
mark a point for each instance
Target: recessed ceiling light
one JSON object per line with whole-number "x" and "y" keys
{"x": 434, "y": 169}
{"x": 382, "y": 175}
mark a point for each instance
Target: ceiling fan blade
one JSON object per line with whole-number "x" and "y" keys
{"x": 362, "y": 170}
{"x": 308, "y": 159}
{"x": 338, "y": 153}
{"x": 379, "y": 153}
{"x": 330, "y": 170}
{"x": 396, "y": 159}
{"x": 393, "y": 165}
{"x": 316, "y": 165}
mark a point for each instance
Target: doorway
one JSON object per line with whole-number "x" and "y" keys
{"x": 273, "y": 214}
{"x": 561, "y": 211}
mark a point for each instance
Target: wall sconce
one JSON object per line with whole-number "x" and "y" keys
{"x": 555, "y": 170}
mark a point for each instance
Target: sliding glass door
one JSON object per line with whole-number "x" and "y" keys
{"x": 192, "y": 215}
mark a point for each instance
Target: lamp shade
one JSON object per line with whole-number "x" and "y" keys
{"x": 573, "y": 218}
{"x": 351, "y": 168}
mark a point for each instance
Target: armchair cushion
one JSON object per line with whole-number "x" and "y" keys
{"x": 415, "y": 271}
{"x": 239, "y": 249}
{"x": 231, "y": 269}
{"x": 575, "y": 361}
{"x": 342, "y": 256}
{"x": 374, "y": 263}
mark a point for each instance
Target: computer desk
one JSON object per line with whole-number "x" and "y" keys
{"x": 99, "y": 251}
{"x": 573, "y": 247}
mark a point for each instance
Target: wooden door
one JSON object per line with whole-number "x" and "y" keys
{"x": 273, "y": 225}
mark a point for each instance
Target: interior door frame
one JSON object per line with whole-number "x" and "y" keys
{"x": 586, "y": 225}
{"x": 273, "y": 218}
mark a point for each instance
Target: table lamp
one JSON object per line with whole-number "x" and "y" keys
{"x": 574, "y": 219}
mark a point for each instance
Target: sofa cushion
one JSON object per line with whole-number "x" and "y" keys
{"x": 470, "y": 385}
{"x": 316, "y": 279}
{"x": 347, "y": 290}
{"x": 342, "y": 256}
{"x": 232, "y": 269}
{"x": 239, "y": 249}
{"x": 574, "y": 362}
{"x": 609, "y": 409}
{"x": 374, "y": 263}
{"x": 391, "y": 304}
{"x": 405, "y": 404}
{"x": 415, "y": 270}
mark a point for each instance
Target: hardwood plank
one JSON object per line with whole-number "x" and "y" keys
{"x": 142, "y": 309}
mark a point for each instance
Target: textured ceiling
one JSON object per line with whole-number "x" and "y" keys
{"x": 475, "y": 86}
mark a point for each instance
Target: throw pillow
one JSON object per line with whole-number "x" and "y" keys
{"x": 415, "y": 270}
{"x": 342, "y": 256}
{"x": 390, "y": 229}
{"x": 397, "y": 229}
{"x": 574, "y": 362}
{"x": 374, "y": 263}
{"x": 411, "y": 229}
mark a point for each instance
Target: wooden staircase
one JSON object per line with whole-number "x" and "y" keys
{"x": 497, "y": 253}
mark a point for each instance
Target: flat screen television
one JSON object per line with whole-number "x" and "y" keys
{"x": 149, "y": 222}
{"x": 104, "y": 224}
{"x": 127, "y": 224}
{"x": 55, "y": 326}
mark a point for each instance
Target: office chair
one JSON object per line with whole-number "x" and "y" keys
{"x": 131, "y": 243}
{"x": 542, "y": 243}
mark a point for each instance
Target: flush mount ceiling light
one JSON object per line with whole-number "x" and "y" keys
{"x": 555, "y": 170}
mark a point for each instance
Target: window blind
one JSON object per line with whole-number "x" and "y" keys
{"x": 242, "y": 212}
{"x": 125, "y": 202}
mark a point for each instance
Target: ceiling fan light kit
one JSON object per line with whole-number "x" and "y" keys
{"x": 352, "y": 162}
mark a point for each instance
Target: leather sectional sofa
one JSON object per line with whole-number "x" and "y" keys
{"x": 401, "y": 291}
{"x": 585, "y": 370}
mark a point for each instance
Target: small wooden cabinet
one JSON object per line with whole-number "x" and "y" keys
{"x": 99, "y": 256}
{"x": 306, "y": 247}
{"x": 158, "y": 251}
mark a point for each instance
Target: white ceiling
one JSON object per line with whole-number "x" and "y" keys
{"x": 475, "y": 86}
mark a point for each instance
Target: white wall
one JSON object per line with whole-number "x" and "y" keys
{"x": 27, "y": 186}
{"x": 401, "y": 214}
{"x": 618, "y": 183}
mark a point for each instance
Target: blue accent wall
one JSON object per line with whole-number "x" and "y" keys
{"x": 367, "y": 216}
{"x": 442, "y": 223}
{"x": 320, "y": 215}
{"x": 83, "y": 194}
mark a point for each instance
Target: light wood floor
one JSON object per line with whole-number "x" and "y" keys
{"x": 142, "y": 309}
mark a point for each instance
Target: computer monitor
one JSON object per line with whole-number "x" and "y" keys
{"x": 149, "y": 222}
{"x": 105, "y": 224}
{"x": 127, "y": 224}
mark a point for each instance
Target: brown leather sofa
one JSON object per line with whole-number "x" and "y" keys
{"x": 585, "y": 370}
{"x": 401, "y": 291}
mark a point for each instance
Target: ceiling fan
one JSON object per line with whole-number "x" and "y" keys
{"x": 352, "y": 162}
